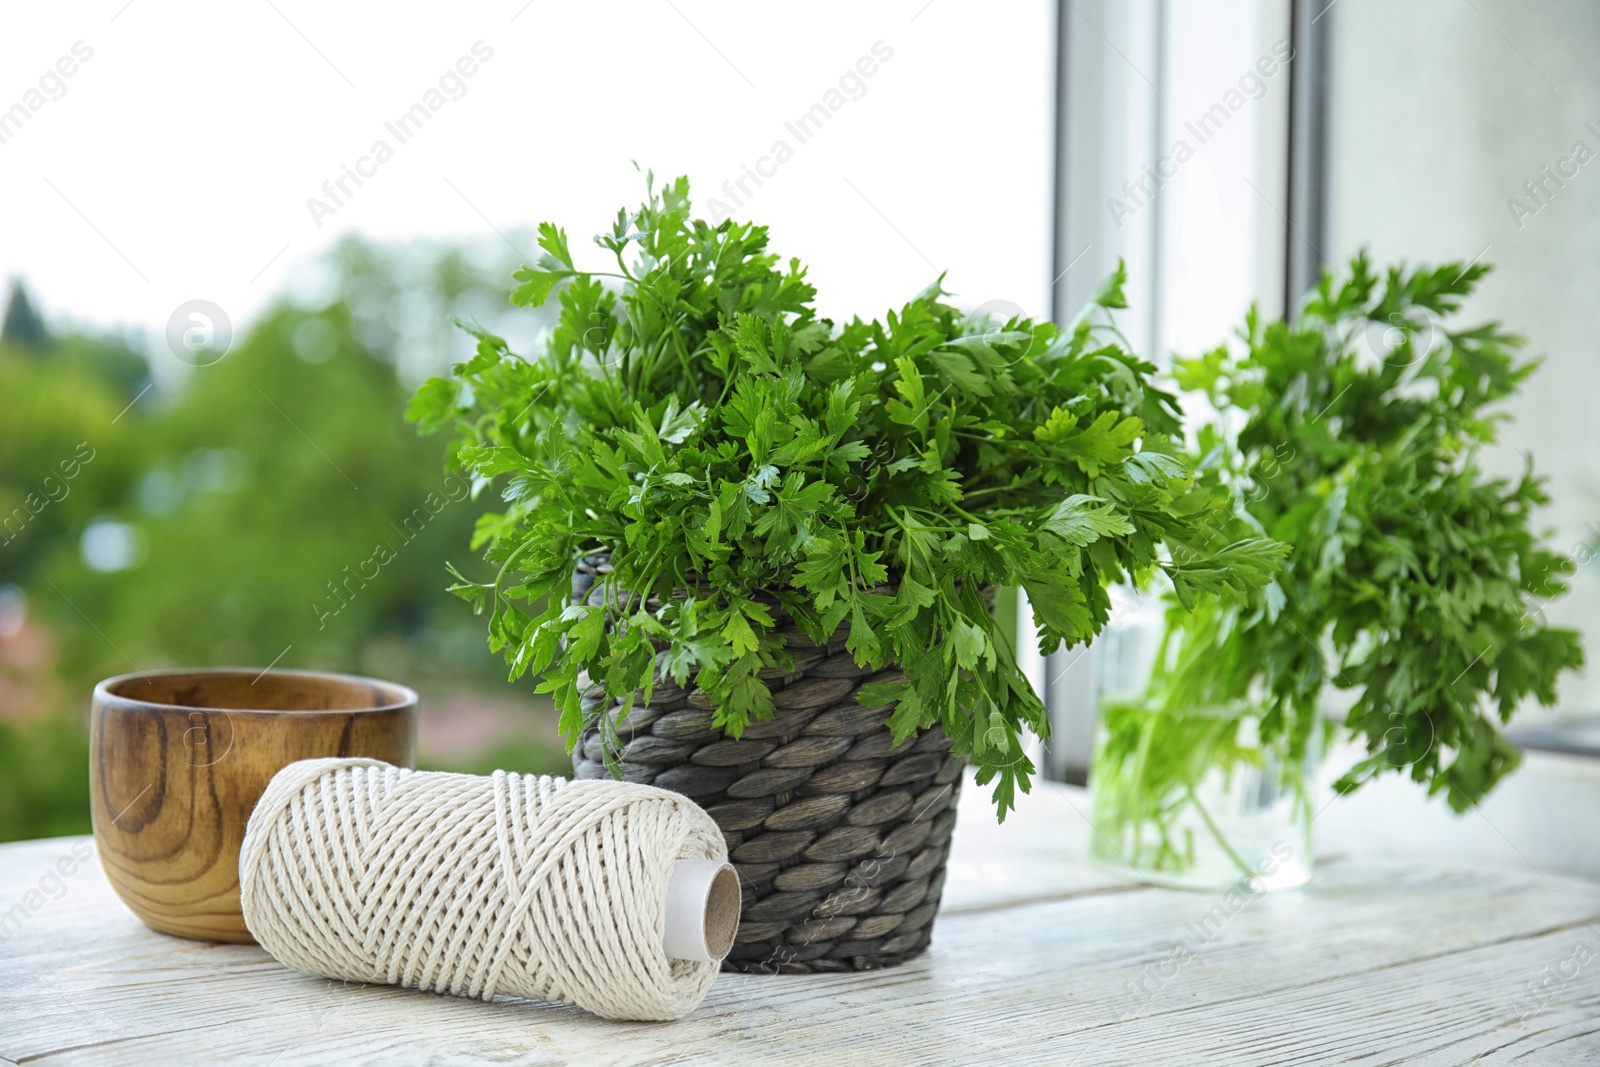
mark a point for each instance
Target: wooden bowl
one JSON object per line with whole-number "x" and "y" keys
{"x": 179, "y": 758}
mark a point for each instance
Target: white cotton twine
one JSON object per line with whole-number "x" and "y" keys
{"x": 519, "y": 885}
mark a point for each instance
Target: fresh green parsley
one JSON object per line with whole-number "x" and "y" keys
{"x": 692, "y": 416}
{"x": 1417, "y": 580}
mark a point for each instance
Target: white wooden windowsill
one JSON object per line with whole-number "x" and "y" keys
{"x": 1037, "y": 958}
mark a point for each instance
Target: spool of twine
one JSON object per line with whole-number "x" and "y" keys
{"x": 475, "y": 886}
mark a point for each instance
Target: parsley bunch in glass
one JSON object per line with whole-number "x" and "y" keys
{"x": 1417, "y": 581}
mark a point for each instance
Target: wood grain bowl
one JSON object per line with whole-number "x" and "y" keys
{"x": 179, "y": 758}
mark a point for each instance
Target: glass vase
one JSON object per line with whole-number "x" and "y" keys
{"x": 1195, "y": 800}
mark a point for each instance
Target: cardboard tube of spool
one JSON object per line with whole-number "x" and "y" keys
{"x": 702, "y": 910}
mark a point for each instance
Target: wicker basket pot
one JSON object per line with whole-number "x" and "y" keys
{"x": 840, "y": 837}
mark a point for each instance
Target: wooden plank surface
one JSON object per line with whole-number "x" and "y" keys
{"x": 1038, "y": 958}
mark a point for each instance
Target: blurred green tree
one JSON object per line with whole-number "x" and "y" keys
{"x": 284, "y": 511}
{"x": 270, "y": 507}
{"x": 68, "y": 449}
{"x": 23, "y": 326}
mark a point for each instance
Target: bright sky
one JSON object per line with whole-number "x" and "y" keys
{"x": 175, "y": 161}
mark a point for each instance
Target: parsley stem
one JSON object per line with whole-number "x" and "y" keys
{"x": 1216, "y": 831}
{"x": 1016, "y": 484}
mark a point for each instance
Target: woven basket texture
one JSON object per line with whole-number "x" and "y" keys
{"x": 839, "y": 836}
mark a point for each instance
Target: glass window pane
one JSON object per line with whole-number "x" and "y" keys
{"x": 1470, "y": 131}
